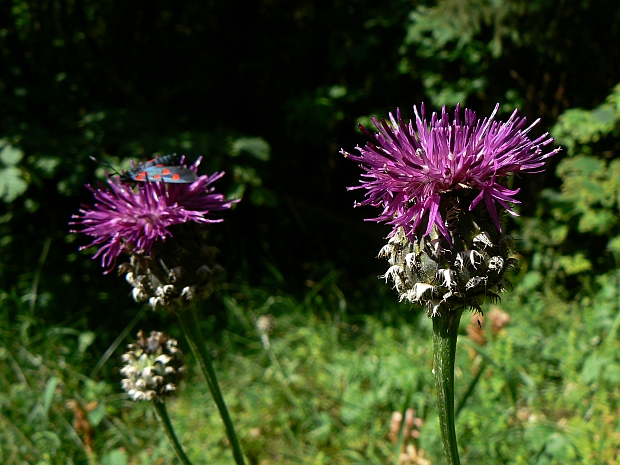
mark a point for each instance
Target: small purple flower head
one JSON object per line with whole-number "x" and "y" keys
{"x": 131, "y": 219}
{"x": 408, "y": 167}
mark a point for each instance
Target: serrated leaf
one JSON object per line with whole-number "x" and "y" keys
{"x": 583, "y": 165}
{"x": 603, "y": 115}
{"x": 597, "y": 221}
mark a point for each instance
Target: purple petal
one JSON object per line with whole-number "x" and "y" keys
{"x": 408, "y": 166}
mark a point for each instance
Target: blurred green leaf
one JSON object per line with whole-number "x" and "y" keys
{"x": 48, "y": 394}
{"x": 577, "y": 127}
{"x": 592, "y": 367}
{"x": 575, "y": 264}
{"x": 95, "y": 416}
{"x": 115, "y": 457}
{"x": 10, "y": 155}
{"x": 47, "y": 441}
{"x": 612, "y": 373}
{"x": 47, "y": 165}
{"x": 255, "y": 146}
{"x": 614, "y": 245}
{"x": 12, "y": 183}
{"x": 558, "y": 445}
{"x": 85, "y": 339}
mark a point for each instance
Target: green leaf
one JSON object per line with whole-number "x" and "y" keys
{"x": 47, "y": 440}
{"x": 95, "y": 416}
{"x": 574, "y": 264}
{"x": 578, "y": 127}
{"x": 47, "y": 164}
{"x": 10, "y": 155}
{"x": 583, "y": 165}
{"x": 531, "y": 281}
{"x": 48, "y": 395}
{"x": 557, "y": 445}
{"x": 614, "y": 245}
{"x": 12, "y": 184}
{"x": 255, "y": 146}
{"x": 114, "y": 457}
{"x": 592, "y": 368}
{"x": 612, "y": 373}
{"x": 85, "y": 340}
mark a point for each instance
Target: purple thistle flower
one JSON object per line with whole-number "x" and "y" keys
{"x": 131, "y": 220}
{"x": 408, "y": 167}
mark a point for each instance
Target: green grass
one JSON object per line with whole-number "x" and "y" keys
{"x": 322, "y": 387}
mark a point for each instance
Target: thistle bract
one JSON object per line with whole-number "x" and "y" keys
{"x": 175, "y": 273}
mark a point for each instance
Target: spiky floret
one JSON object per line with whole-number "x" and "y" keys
{"x": 132, "y": 219}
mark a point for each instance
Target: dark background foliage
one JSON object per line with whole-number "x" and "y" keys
{"x": 119, "y": 80}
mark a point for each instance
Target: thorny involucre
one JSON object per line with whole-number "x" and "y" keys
{"x": 446, "y": 249}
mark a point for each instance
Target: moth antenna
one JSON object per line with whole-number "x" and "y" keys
{"x": 106, "y": 164}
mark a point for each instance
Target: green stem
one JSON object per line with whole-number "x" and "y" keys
{"x": 191, "y": 328}
{"x": 162, "y": 413}
{"x": 445, "y": 332}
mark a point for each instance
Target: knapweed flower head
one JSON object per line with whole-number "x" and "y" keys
{"x": 159, "y": 226}
{"x": 442, "y": 186}
{"x": 131, "y": 219}
{"x": 410, "y": 166}
{"x": 154, "y": 366}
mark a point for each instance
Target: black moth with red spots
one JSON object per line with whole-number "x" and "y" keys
{"x": 166, "y": 168}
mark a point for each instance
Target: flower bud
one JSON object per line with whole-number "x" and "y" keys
{"x": 153, "y": 368}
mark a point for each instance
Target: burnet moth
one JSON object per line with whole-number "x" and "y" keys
{"x": 166, "y": 168}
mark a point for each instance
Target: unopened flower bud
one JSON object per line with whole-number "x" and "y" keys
{"x": 153, "y": 367}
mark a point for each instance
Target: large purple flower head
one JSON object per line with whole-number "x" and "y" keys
{"x": 131, "y": 219}
{"x": 409, "y": 166}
